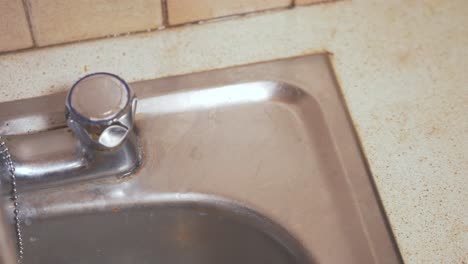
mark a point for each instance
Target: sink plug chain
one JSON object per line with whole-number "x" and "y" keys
{"x": 14, "y": 196}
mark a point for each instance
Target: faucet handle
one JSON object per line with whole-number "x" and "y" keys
{"x": 101, "y": 110}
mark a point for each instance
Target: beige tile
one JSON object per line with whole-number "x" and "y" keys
{"x": 182, "y": 11}
{"x": 309, "y": 2}
{"x": 14, "y": 29}
{"x": 59, "y": 21}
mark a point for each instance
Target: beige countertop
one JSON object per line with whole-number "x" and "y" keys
{"x": 402, "y": 67}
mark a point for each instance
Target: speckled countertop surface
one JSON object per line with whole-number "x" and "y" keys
{"x": 401, "y": 64}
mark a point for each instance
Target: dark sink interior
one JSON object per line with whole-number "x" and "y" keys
{"x": 170, "y": 232}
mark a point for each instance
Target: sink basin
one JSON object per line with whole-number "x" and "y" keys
{"x": 251, "y": 164}
{"x": 188, "y": 229}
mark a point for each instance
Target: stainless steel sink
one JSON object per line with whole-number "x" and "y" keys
{"x": 251, "y": 164}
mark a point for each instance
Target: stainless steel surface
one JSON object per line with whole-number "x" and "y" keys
{"x": 273, "y": 137}
{"x": 90, "y": 148}
{"x": 7, "y": 248}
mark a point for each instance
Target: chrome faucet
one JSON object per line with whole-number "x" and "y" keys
{"x": 100, "y": 141}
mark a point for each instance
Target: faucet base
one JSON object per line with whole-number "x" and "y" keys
{"x": 57, "y": 157}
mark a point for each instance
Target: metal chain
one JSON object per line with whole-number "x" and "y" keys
{"x": 14, "y": 197}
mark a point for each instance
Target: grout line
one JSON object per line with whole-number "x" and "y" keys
{"x": 82, "y": 41}
{"x": 233, "y": 16}
{"x": 165, "y": 13}
{"x": 321, "y": 2}
{"x": 28, "y": 18}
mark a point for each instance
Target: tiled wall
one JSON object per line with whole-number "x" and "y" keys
{"x": 38, "y": 23}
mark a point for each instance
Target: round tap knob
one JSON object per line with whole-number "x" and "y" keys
{"x": 101, "y": 110}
